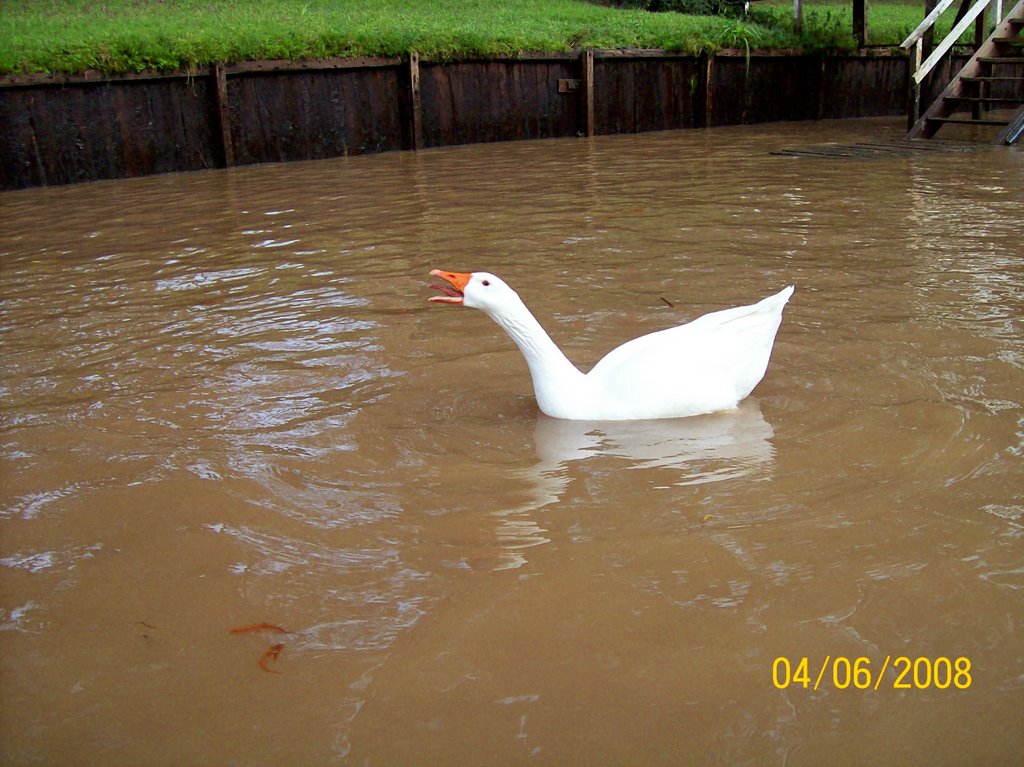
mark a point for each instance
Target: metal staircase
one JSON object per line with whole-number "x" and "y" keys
{"x": 989, "y": 90}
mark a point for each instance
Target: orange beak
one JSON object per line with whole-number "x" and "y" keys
{"x": 452, "y": 293}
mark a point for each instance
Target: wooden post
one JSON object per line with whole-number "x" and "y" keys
{"x": 220, "y": 89}
{"x": 921, "y": 51}
{"x": 823, "y": 91}
{"x": 929, "y": 34}
{"x": 914, "y": 58}
{"x": 415, "y": 116}
{"x": 798, "y": 16}
{"x": 587, "y": 62}
{"x": 710, "y": 91}
{"x": 860, "y": 22}
{"x": 979, "y": 39}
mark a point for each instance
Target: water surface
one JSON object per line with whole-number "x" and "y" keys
{"x": 226, "y": 402}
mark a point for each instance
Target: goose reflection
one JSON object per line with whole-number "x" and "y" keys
{"x": 700, "y": 449}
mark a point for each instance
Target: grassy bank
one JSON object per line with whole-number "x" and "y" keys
{"x": 72, "y": 36}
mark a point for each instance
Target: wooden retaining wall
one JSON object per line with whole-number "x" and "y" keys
{"x": 72, "y": 129}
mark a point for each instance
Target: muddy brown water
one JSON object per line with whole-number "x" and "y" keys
{"x": 227, "y": 403}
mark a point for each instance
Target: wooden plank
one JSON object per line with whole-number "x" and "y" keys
{"x": 637, "y": 95}
{"x": 639, "y": 53}
{"x": 913, "y": 88}
{"x": 970, "y": 121}
{"x": 989, "y": 79}
{"x": 588, "y": 92}
{"x": 998, "y": 100}
{"x": 313, "y": 65}
{"x": 220, "y": 91}
{"x": 747, "y": 55}
{"x": 415, "y": 98}
{"x": 42, "y": 80}
{"x": 778, "y": 88}
{"x": 852, "y": 86}
{"x": 884, "y": 149}
{"x": 289, "y": 116}
{"x": 271, "y": 65}
{"x": 822, "y": 88}
{"x": 709, "y": 90}
{"x": 499, "y": 100}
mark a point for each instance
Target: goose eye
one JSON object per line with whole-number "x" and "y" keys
{"x": 487, "y": 283}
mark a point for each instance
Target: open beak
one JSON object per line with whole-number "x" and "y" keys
{"x": 453, "y": 293}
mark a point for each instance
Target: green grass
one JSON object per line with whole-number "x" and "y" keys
{"x": 73, "y": 36}
{"x": 889, "y": 21}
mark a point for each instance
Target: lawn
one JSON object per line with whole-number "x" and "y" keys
{"x": 72, "y": 36}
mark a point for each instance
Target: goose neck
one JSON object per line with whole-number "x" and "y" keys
{"x": 544, "y": 358}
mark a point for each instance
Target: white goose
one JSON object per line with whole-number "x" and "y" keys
{"x": 704, "y": 366}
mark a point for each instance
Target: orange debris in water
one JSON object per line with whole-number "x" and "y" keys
{"x": 251, "y": 627}
{"x": 270, "y": 655}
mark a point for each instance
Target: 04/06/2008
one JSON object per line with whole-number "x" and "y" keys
{"x": 908, "y": 673}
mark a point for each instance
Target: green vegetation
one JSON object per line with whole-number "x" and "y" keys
{"x": 72, "y": 36}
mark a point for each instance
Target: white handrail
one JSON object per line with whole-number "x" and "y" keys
{"x": 940, "y": 50}
{"x": 925, "y": 25}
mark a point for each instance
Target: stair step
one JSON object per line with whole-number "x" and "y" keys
{"x": 991, "y": 79}
{"x": 968, "y": 121}
{"x": 967, "y": 100}
{"x": 985, "y": 100}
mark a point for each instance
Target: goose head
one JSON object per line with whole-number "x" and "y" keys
{"x": 478, "y": 290}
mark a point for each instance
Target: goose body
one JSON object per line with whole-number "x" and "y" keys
{"x": 703, "y": 366}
